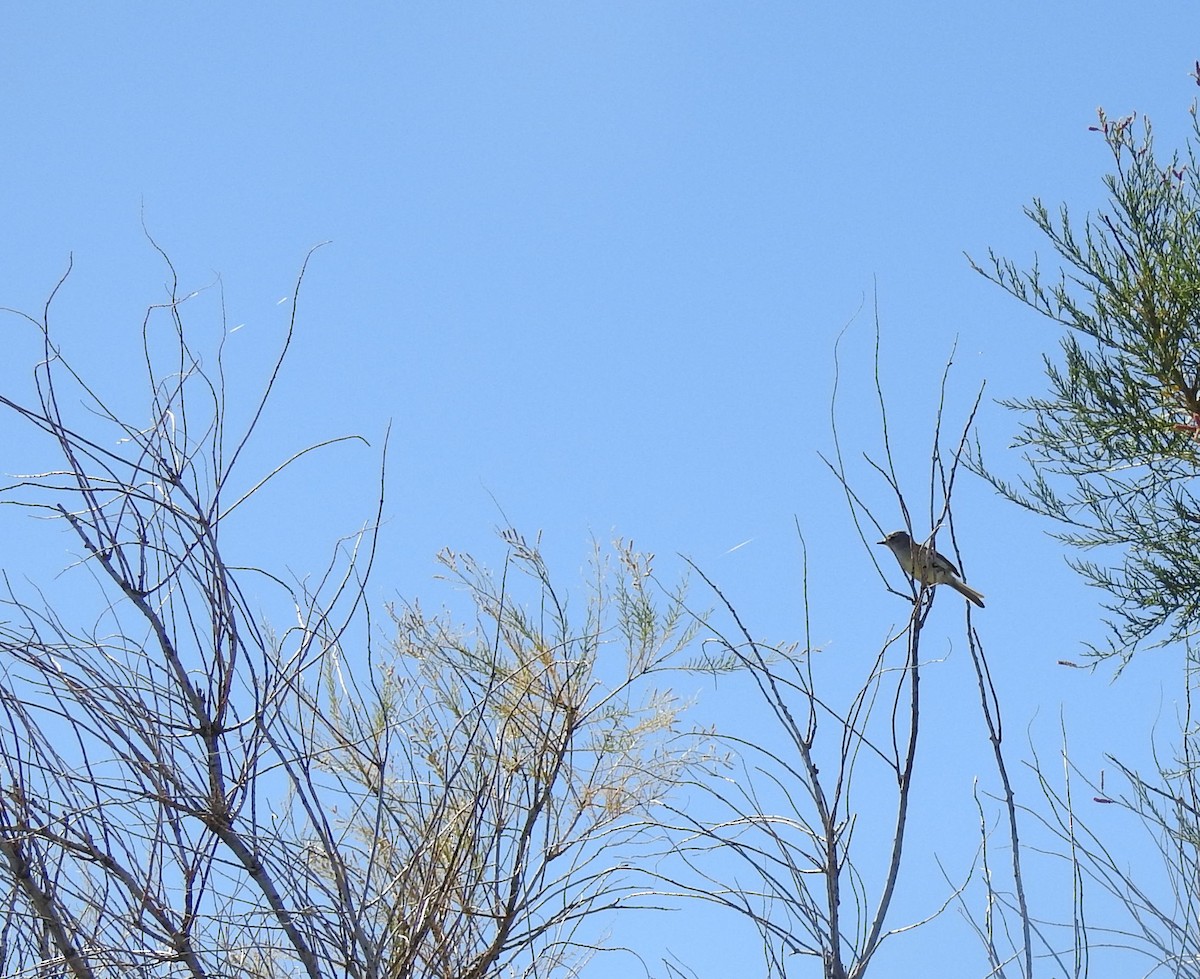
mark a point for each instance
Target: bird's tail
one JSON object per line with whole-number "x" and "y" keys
{"x": 964, "y": 589}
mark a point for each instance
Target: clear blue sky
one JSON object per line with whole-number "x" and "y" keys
{"x": 590, "y": 260}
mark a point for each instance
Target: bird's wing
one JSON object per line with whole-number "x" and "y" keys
{"x": 946, "y": 565}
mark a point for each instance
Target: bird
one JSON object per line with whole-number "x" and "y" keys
{"x": 927, "y": 566}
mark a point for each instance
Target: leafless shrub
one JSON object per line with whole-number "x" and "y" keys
{"x": 186, "y": 789}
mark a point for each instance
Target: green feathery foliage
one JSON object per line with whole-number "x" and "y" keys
{"x": 1114, "y": 447}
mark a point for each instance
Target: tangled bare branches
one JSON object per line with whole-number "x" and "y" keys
{"x": 187, "y": 789}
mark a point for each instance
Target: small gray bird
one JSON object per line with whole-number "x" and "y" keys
{"x": 928, "y": 566}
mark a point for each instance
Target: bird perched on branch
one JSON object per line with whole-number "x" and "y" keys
{"x": 928, "y": 566}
